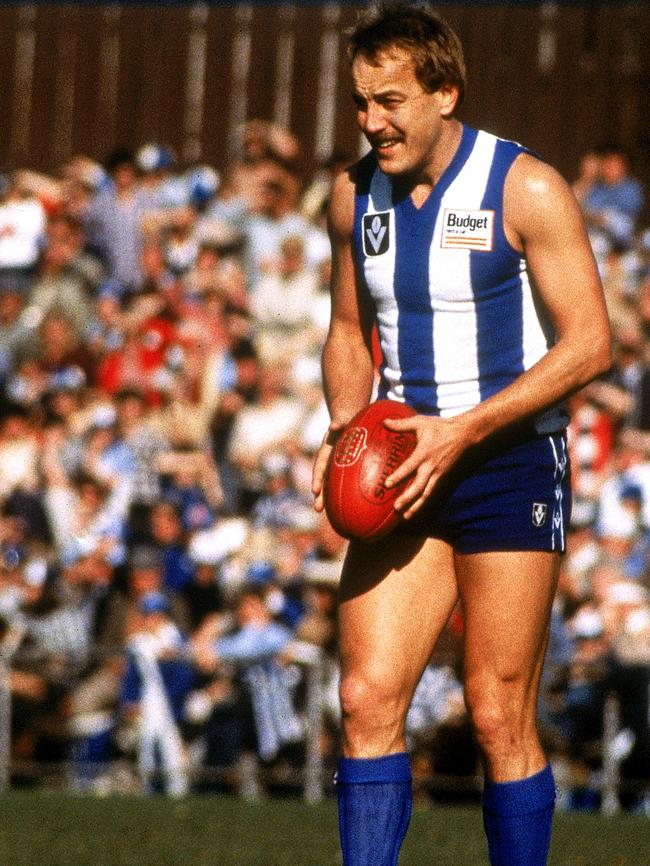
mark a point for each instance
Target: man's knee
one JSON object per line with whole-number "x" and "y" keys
{"x": 363, "y": 695}
{"x": 498, "y": 713}
{"x": 371, "y": 706}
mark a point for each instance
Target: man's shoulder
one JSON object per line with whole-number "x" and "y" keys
{"x": 533, "y": 176}
{"x": 340, "y": 217}
{"x": 539, "y": 203}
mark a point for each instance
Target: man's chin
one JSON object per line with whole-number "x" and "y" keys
{"x": 389, "y": 165}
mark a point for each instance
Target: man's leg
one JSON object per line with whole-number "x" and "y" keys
{"x": 507, "y": 599}
{"x": 395, "y": 598}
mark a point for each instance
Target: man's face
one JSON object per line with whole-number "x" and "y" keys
{"x": 613, "y": 168}
{"x": 165, "y": 524}
{"x": 124, "y": 176}
{"x": 401, "y": 121}
{"x": 145, "y": 580}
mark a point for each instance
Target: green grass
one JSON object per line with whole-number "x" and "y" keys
{"x": 61, "y": 830}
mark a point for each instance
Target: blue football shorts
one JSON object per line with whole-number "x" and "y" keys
{"x": 510, "y": 494}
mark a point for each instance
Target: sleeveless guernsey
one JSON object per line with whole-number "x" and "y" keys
{"x": 456, "y": 313}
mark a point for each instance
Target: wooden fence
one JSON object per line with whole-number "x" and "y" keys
{"x": 84, "y": 78}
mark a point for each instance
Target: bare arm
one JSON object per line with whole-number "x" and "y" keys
{"x": 347, "y": 360}
{"x": 543, "y": 218}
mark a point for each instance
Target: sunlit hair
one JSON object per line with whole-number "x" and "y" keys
{"x": 387, "y": 25}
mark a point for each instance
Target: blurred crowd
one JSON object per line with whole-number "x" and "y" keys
{"x": 166, "y": 588}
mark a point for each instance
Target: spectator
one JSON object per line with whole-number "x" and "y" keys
{"x": 283, "y": 300}
{"x": 157, "y": 279}
{"x": 156, "y": 684}
{"x": 277, "y": 505}
{"x": 141, "y": 361}
{"x": 614, "y": 200}
{"x": 87, "y": 514}
{"x": 16, "y": 325}
{"x": 253, "y": 648}
{"x": 22, "y": 226}
{"x": 18, "y": 452}
{"x": 156, "y": 164}
{"x": 168, "y": 534}
{"x": 121, "y": 617}
{"x": 582, "y": 716}
{"x": 192, "y": 487}
{"x": 230, "y": 383}
{"x": 273, "y": 217}
{"x": 114, "y": 220}
{"x": 588, "y": 175}
{"x": 260, "y": 428}
{"x": 59, "y": 286}
{"x": 62, "y": 356}
{"x": 67, "y": 230}
{"x": 144, "y": 442}
{"x": 203, "y": 595}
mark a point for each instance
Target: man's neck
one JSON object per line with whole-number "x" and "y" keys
{"x": 419, "y": 185}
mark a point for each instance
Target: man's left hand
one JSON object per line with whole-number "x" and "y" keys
{"x": 440, "y": 443}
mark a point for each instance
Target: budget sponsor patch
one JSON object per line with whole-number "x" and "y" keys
{"x": 467, "y": 229}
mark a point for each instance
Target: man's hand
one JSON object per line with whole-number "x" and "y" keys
{"x": 321, "y": 461}
{"x": 440, "y": 442}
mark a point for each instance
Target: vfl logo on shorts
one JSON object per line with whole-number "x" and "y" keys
{"x": 540, "y": 512}
{"x": 350, "y": 445}
{"x": 376, "y": 233}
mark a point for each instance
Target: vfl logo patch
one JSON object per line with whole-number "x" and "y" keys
{"x": 350, "y": 446}
{"x": 467, "y": 230}
{"x": 540, "y": 511}
{"x": 376, "y": 233}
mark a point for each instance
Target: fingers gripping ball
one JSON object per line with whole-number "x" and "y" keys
{"x": 358, "y": 503}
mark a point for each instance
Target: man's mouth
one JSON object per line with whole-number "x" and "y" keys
{"x": 387, "y": 145}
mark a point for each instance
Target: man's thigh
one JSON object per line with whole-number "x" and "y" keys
{"x": 396, "y": 596}
{"x": 507, "y": 598}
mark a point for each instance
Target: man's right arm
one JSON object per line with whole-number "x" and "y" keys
{"x": 348, "y": 369}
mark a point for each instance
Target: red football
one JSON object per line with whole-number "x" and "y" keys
{"x": 356, "y": 500}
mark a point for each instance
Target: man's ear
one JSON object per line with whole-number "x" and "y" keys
{"x": 448, "y": 100}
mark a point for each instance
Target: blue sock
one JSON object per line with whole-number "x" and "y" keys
{"x": 375, "y": 798}
{"x": 517, "y": 818}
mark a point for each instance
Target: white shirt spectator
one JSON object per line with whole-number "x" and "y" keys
{"x": 282, "y": 302}
{"x": 262, "y": 428}
{"x": 22, "y": 224}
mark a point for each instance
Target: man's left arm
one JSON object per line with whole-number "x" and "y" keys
{"x": 543, "y": 219}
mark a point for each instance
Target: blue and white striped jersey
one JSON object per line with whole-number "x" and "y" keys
{"x": 456, "y": 315}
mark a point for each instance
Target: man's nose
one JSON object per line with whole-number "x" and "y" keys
{"x": 374, "y": 119}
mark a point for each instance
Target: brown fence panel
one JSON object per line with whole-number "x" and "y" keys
{"x": 221, "y": 29}
{"x": 43, "y": 122}
{"x": 307, "y": 69}
{"x": 347, "y": 135}
{"x": 153, "y": 64}
{"x": 264, "y": 30}
{"x": 8, "y": 26}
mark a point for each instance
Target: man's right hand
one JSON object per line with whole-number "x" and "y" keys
{"x": 321, "y": 461}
